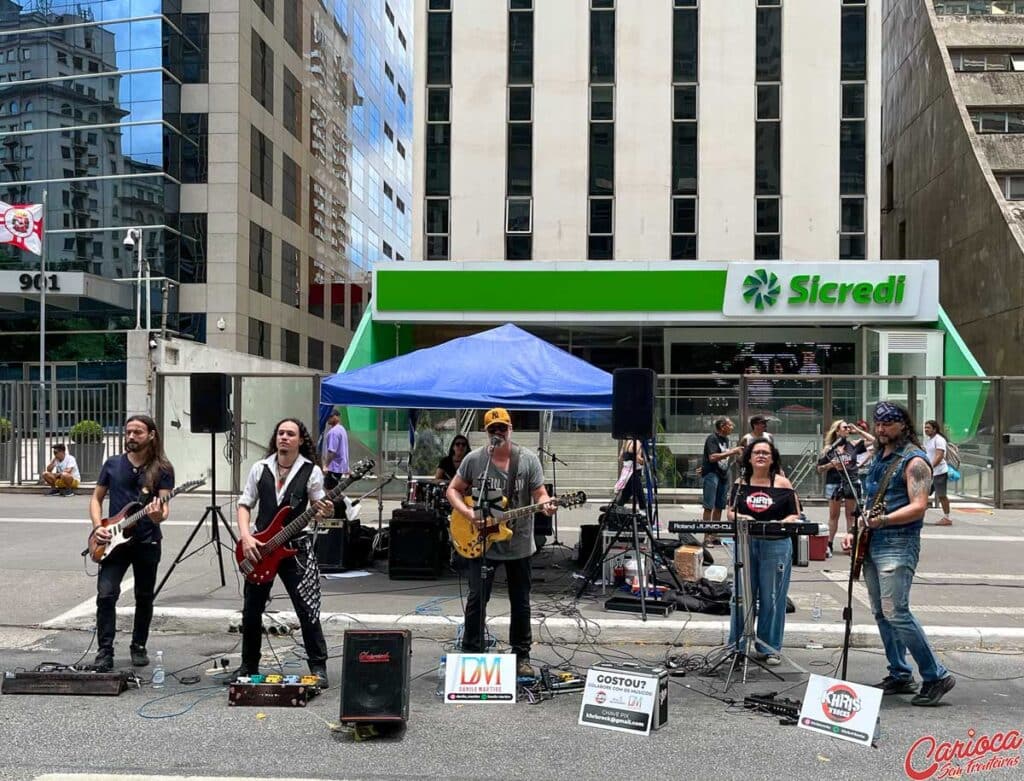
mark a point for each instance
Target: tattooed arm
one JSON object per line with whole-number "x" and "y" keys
{"x": 918, "y": 475}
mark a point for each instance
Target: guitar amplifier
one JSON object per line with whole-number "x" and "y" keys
{"x": 418, "y": 545}
{"x": 336, "y": 549}
{"x": 375, "y": 676}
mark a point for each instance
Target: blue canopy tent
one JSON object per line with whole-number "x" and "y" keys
{"x": 503, "y": 367}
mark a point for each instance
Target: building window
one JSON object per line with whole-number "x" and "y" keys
{"x": 519, "y": 215}
{"x": 337, "y": 356}
{"x": 259, "y": 338}
{"x": 979, "y": 7}
{"x": 191, "y": 248}
{"x": 195, "y": 48}
{"x": 437, "y": 219}
{"x": 683, "y": 201}
{"x": 259, "y": 259}
{"x": 315, "y": 287}
{"x": 293, "y": 25}
{"x": 193, "y": 143}
{"x": 1012, "y": 185}
{"x": 519, "y": 133}
{"x": 290, "y": 347}
{"x": 601, "y": 132}
{"x": 968, "y": 60}
{"x": 291, "y": 184}
{"x": 315, "y": 354}
{"x": 987, "y": 121}
{"x": 292, "y": 107}
{"x": 267, "y": 7}
{"x": 853, "y": 133}
{"x": 768, "y": 131}
{"x": 261, "y": 162}
{"x": 290, "y": 292}
{"x": 262, "y": 73}
{"x": 437, "y": 144}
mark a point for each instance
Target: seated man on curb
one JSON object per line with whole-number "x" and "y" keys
{"x": 62, "y": 473}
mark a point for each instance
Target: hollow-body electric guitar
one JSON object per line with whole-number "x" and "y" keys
{"x": 472, "y": 542}
{"x": 122, "y": 525}
{"x": 274, "y": 538}
{"x": 862, "y": 539}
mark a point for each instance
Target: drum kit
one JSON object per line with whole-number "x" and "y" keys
{"x": 430, "y": 495}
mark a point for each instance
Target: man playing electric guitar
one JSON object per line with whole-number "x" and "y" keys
{"x": 893, "y": 551}
{"x": 498, "y": 459}
{"x": 143, "y": 467}
{"x": 288, "y": 476}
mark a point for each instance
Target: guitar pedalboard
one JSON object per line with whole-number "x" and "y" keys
{"x": 287, "y": 691}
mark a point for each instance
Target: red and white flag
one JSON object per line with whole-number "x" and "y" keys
{"x": 21, "y": 224}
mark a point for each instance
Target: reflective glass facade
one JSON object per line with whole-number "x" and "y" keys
{"x": 90, "y": 96}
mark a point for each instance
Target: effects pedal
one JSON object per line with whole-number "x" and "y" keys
{"x": 788, "y": 709}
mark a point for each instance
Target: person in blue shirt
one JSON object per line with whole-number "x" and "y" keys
{"x": 141, "y": 474}
{"x": 893, "y": 551}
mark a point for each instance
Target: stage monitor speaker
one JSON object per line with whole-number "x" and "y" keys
{"x": 633, "y": 404}
{"x": 375, "y": 676}
{"x": 210, "y": 392}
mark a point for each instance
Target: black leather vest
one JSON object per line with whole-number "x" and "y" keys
{"x": 296, "y": 496}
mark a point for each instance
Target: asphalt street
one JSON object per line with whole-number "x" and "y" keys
{"x": 968, "y": 594}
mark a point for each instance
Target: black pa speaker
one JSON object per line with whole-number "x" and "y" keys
{"x": 543, "y": 524}
{"x": 417, "y": 545}
{"x": 375, "y": 676}
{"x": 210, "y": 392}
{"x": 590, "y": 543}
{"x": 633, "y": 403}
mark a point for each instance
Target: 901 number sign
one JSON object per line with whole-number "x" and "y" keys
{"x": 34, "y": 282}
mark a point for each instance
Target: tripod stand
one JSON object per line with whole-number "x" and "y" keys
{"x": 555, "y": 460}
{"x": 213, "y": 512}
{"x": 633, "y": 482}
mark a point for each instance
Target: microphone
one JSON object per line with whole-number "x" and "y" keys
{"x": 496, "y": 441}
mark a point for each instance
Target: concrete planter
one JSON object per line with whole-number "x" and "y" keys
{"x": 90, "y": 459}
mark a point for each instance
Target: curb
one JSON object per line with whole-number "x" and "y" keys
{"x": 678, "y": 629}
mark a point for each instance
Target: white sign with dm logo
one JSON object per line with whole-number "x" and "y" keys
{"x": 850, "y": 291}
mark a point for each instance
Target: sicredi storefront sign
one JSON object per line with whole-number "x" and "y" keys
{"x": 657, "y": 292}
{"x": 831, "y": 292}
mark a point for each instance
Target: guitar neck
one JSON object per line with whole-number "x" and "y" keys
{"x": 522, "y": 512}
{"x": 128, "y": 522}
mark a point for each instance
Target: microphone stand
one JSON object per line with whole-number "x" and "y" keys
{"x": 554, "y": 490}
{"x": 482, "y": 568}
{"x": 858, "y": 513}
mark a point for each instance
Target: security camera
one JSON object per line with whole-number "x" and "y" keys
{"x": 130, "y": 237}
{"x": 152, "y": 344}
{"x": 221, "y": 324}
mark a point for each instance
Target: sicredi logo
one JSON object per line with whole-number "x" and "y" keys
{"x": 761, "y": 289}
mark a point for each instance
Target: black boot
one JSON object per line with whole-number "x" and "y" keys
{"x": 104, "y": 661}
{"x": 243, "y": 671}
{"x": 320, "y": 671}
{"x": 139, "y": 656}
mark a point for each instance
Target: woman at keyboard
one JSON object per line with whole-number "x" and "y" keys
{"x": 762, "y": 494}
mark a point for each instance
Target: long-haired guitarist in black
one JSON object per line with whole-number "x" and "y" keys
{"x": 528, "y": 483}
{"x": 893, "y": 551}
{"x": 143, "y": 469}
{"x": 290, "y": 475}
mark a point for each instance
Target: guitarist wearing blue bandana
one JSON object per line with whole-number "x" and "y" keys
{"x": 527, "y": 482}
{"x": 901, "y": 477}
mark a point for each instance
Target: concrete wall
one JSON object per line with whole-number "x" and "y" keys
{"x": 181, "y": 355}
{"x": 943, "y": 188}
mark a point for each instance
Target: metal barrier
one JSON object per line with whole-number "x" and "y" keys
{"x": 28, "y": 411}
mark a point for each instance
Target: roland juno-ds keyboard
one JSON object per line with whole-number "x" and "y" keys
{"x": 757, "y": 528}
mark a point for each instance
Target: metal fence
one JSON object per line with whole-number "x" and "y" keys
{"x": 983, "y": 416}
{"x": 33, "y": 420}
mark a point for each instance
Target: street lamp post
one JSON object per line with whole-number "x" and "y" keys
{"x": 133, "y": 240}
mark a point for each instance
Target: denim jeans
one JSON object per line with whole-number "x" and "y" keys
{"x": 519, "y": 575}
{"x": 771, "y": 564}
{"x": 143, "y": 558}
{"x": 888, "y": 573}
{"x": 716, "y": 490}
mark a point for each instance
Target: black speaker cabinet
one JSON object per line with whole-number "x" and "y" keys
{"x": 417, "y": 545}
{"x": 210, "y": 392}
{"x": 335, "y": 551}
{"x": 590, "y": 541}
{"x": 633, "y": 403}
{"x": 375, "y": 676}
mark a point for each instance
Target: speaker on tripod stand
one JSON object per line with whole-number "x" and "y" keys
{"x": 209, "y": 394}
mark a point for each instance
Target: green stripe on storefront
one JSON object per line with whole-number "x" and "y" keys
{"x": 553, "y": 290}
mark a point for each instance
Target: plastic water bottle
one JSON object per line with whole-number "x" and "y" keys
{"x": 159, "y": 675}
{"x": 441, "y": 676}
{"x": 816, "y": 608}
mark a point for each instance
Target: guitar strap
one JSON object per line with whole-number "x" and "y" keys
{"x": 883, "y": 484}
{"x": 513, "y": 470}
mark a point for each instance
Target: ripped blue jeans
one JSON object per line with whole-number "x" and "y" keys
{"x": 771, "y": 564}
{"x": 888, "y": 573}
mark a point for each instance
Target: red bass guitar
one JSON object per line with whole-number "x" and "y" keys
{"x": 281, "y": 530}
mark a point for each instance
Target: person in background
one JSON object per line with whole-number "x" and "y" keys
{"x": 448, "y": 466}
{"x": 715, "y": 472}
{"x": 763, "y": 494}
{"x": 894, "y": 549}
{"x": 62, "y": 473}
{"x": 935, "y": 446}
{"x": 758, "y": 430}
{"x": 335, "y": 451}
{"x": 840, "y": 452}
